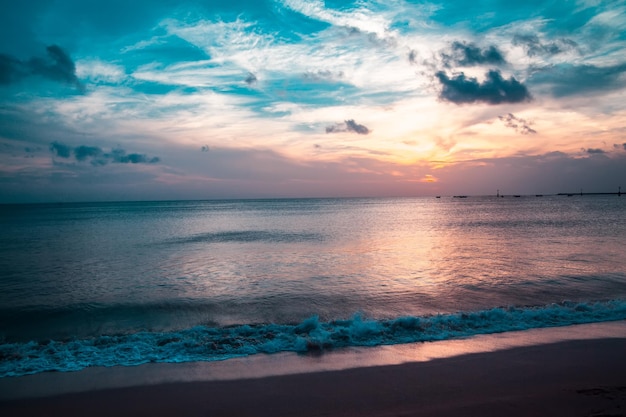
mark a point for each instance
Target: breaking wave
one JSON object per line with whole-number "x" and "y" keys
{"x": 203, "y": 343}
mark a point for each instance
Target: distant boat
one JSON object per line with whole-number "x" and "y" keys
{"x": 517, "y": 196}
{"x": 460, "y": 196}
{"x": 538, "y": 195}
{"x": 438, "y": 196}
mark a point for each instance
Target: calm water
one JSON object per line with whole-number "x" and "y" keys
{"x": 241, "y": 277}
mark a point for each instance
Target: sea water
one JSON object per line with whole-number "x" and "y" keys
{"x": 105, "y": 284}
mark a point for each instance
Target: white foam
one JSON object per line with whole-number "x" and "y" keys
{"x": 259, "y": 366}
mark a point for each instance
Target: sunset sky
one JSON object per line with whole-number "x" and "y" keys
{"x": 167, "y": 99}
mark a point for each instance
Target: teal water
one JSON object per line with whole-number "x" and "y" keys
{"x": 127, "y": 283}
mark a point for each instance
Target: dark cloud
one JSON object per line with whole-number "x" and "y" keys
{"x": 83, "y": 152}
{"x": 357, "y": 128}
{"x": 321, "y": 75}
{"x": 30, "y": 150}
{"x": 348, "y": 126}
{"x": 412, "y": 56}
{"x": 119, "y": 155}
{"x": 251, "y": 78}
{"x": 533, "y": 46}
{"x": 61, "y": 150}
{"x": 494, "y": 90}
{"x": 58, "y": 66}
{"x": 97, "y": 157}
{"x": 595, "y": 151}
{"x": 468, "y": 54}
{"x": 567, "y": 79}
{"x": 339, "y": 127}
{"x": 520, "y": 125}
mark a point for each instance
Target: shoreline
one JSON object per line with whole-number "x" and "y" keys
{"x": 572, "y": 370}
{"x": 568, "y": 378}
{"x": 288, "y": 363}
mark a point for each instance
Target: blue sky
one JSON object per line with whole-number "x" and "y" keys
{"x": 162, "y": 99}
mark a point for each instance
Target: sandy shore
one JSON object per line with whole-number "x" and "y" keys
{"x": 573, "y": 378}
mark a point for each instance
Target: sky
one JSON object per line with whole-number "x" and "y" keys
{"x": 165, "y": 99}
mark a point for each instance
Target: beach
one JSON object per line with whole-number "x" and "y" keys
{"x": 567, "y": 376}
{"x": 323, "y": 307}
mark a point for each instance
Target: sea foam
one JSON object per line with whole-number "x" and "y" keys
{"x": 203, "y": 343}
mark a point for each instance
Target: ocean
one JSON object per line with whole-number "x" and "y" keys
{"x": 127, "y": 283}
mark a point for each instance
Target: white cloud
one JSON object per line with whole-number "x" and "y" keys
{"x": 360, "y": 18}
{"x": 143, "y": 44}
{"x": 199, "y": 74}
{"x": 98, "y": 71}
{"x": 239, "y": 47}
{"x": 223, "y": 41}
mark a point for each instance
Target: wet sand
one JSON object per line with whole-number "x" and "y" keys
{"x": 572, "y": 378}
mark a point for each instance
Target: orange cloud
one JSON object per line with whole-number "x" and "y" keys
{"x": 428, "y": 178}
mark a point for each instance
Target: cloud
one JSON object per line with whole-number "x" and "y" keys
{"x": 321, "y": 75}
{"x": 357, "y": 128}
{"x": 251, "y": 78}
{"x": 445, "y": 144}
{"x": 494, "y": 90}
{"x": 98, "y": 157}
{"x": 428, "y": 178}
{"x": 348, "y": 126}
{"x": 552, "y": 172}
{"x": 30, "y": 150}
{"x": 83, "y": 152}
{"x": 568, "y": 79}
{"x": 119, "y": 155}
{"x": 205, "y": 148}
{"x": 594, "y": 151}
{"x": 533, "y": 46}
{"x": 356, "y": 20}
{"x": 58, "y": 66}
{"x": 170, "y": 76}
{"x": 520, "y": 125}
{"x": 60, "y": 149}
{"x": 336, "y": 128}
{"x": 468, "y": 54}
{"x": 100, "y": 72}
